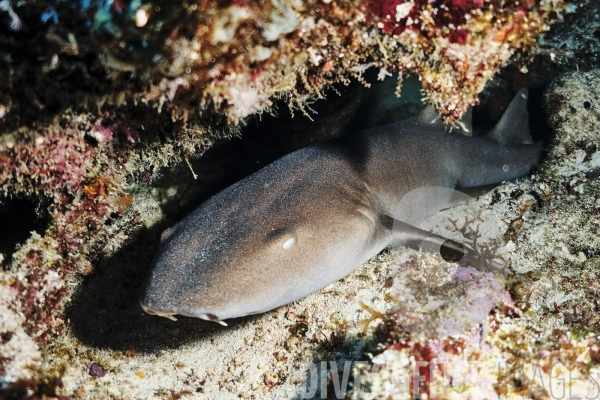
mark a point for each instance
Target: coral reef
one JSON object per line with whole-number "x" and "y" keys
{"x": 462, "y": 43}
{"x": 568, "y": 188}
{"x": 230, "y": 58}
{"x": 500, "y": 367}
{"x": 82, "y": 176}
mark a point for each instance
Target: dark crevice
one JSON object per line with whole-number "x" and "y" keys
{"x": 18, "y": 218}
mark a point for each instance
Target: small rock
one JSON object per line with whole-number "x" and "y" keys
{"x": 291, "y": 342}
{"x": 271, "y": 378}
{"x": 291, "y": 315}
{"x": 301, "y": 329}
{"x": 6, "y": 336}
{"x": 97, "y": 370}
{"x": 281, "y": 355}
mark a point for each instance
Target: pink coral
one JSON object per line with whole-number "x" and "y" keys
{"x": 57, "y": 165}
{"x": 448, "y": 15}
{"x": 56, "y": 160}
{"x": 457, "y": 45}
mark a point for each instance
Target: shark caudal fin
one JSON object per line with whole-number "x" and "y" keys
{"x": 513, "y": 127}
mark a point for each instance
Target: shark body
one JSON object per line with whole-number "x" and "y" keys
{"x": 314, "y": 215}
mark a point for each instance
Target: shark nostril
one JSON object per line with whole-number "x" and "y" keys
{"x": 152, "y": 311}
{"x": 147, "y": 309}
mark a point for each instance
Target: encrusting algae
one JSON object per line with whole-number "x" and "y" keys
{"x": 190, "y": 59}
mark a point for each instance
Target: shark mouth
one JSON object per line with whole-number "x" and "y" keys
{"x": 213, "y": 318}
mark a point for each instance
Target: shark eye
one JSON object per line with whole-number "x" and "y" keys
{"x": 277, "y": 234}
{"x": 289, "y": 243}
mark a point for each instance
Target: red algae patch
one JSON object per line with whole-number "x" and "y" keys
{"x": 97, "y": 370}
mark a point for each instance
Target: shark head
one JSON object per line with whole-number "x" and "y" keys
{"x": 238, "y": 255}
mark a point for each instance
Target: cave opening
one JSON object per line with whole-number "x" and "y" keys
{"x": 19, "y": 216}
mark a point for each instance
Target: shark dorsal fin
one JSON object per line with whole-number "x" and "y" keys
{"x": 430, "y": 117}
{"x": 513, "y": 127}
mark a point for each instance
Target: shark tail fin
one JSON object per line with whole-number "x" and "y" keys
{"x": 513, "y": 127}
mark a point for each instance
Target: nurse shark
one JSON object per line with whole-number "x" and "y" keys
{"x": 313, "y": 216}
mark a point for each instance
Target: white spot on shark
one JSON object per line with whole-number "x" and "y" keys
{"x": 289, "y": 243}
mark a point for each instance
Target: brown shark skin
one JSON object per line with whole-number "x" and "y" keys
{"x": 335, "y": 203}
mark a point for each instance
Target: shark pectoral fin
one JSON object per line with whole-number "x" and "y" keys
{"x": 167, "y": 233}
{"x": 403, "y": 234}
{"x": 513, "y": 127}
{"x": 473, "y": 192}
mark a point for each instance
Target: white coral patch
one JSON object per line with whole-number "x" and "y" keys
{"x": 283, "y": 20}
{"x": 361, "y": 68}
{"x": 20, "y": 352}
{"x": 402, "y": 10}
{"x": 245, "y": 101}
{"x": 226, "y": 23}
{"x": 260, "y": 53}
{"x": 383, "y": 72}
{"x": 15, "y": 22}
